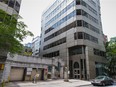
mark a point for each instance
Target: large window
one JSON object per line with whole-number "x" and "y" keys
{"x": 11, "y": 3}
{"x": 56, "y": 43}
{"x": 78, "y": 2}
{"x": 76, "y": 65}
{"x": 76, "y": 50}
{"x": 72, "y": 14}
{"x": 52, "y": 54}
{"x": 83, "y": 35}
{"x": 73, "y": 24}
{"x": 79, "y": 23}
{"x": 83, "y": 3}
{"x": 87, "y": 15}
{"x": 99, "y": 52}
{"x": 60, "y": 13}
{"x": 80, "y": 35}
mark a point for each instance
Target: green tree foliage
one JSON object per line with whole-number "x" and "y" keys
{"x": 12, "y": 33}
{"x": 111, "y": 56}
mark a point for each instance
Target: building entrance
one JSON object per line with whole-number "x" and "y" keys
{"x": 76, "y": 71}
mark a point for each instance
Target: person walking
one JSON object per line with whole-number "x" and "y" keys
{"x": 35, "y": 78}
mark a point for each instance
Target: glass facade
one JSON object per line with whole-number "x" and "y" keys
{"x": 60, "y": 13}
{"x": 72, "y": 14}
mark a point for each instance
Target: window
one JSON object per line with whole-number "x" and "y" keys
{"x": 60, "y": 13}
{"x": 72, "y": 14}
{"x": 75, "y": 50}
{"x": 17, "y": 7}
{"x": 86, "y": 36}
{"x": 11, "y": 3}
{"x": 66, "y": 28}
{"x": 78, "y": 12}
{"x": 78, "y": 2}
{"x": 58, "y": 42}
{"x": 85, "y": 24}
{"x": 79, "y": 22}
{"x": 80, "y": 35}
{"x": 99, "y": 52}
{"x": 84, "y": 13}
{"x": 52, "y": 54}
{"x": 84, "y": 4}
{"x": 76, "y": 65}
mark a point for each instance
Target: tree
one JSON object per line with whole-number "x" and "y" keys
{"x": 12, "y": 33}
{"x": 111, "y": 56}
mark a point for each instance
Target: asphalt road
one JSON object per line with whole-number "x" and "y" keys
{"x": 114, "y": 85}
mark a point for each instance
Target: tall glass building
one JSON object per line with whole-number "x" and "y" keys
{"x": 72, "y": 30}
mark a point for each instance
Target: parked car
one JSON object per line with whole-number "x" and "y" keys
{"x": 102, "y": 80}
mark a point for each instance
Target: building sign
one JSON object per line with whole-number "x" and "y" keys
{"x": 29, "y": 71}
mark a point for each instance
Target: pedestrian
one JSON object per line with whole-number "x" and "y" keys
{"x": 35, "y": 78}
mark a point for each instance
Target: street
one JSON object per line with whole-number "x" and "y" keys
{"x": 54, "y": 83}
{"x": 114, "y": 85}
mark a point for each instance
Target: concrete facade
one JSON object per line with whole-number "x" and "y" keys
{"x": 37, "y": 65}
{"x": 10, "y": 6}
{"x": 72, "y": 31}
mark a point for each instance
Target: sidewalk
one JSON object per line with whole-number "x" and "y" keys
{"x": 50, "y": 83}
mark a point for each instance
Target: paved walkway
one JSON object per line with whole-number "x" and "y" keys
{"x": 50, "y": 83}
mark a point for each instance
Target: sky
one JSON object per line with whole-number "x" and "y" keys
{"x": 31, "y": 11}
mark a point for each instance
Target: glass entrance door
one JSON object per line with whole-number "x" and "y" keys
{"x": 76, "y": 73}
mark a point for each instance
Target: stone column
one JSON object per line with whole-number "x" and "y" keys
{"x": 66, "y": 71}
{"x": 53, "y": 72}
{"x": 6, "y": 72}
{"x": 87, "y": 62}
{"x": 62, "y": 72}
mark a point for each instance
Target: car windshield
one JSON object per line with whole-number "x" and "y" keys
{"x": 100, "y": 77}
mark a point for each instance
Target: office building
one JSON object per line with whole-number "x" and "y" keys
{"x": 72, "y": 30}
{"x": 36, "y": 46}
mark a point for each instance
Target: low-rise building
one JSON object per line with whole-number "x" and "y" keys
{"x": 23, "y": 68}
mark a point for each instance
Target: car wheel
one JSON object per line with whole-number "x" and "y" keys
{"x": 103, "y": 84}
{"x": 111, "y": 83}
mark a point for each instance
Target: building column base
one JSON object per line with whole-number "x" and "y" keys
{"x": 66, "y": 80}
